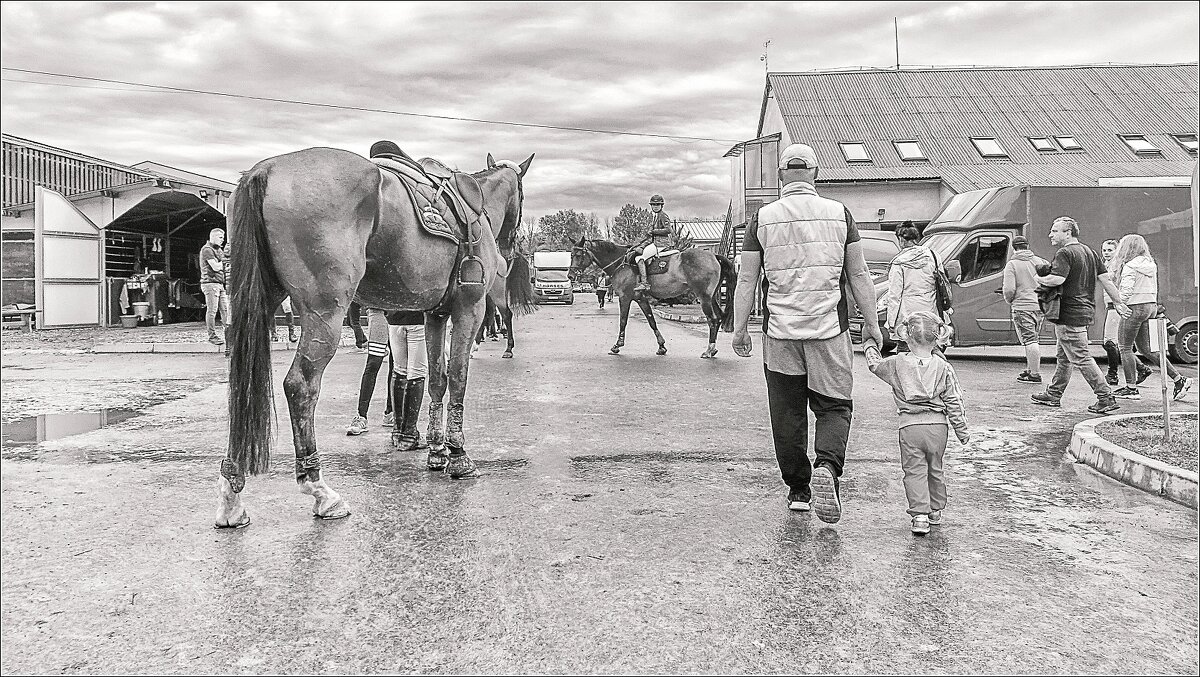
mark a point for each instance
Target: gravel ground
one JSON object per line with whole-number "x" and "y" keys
{"x": 1145, "y": 436}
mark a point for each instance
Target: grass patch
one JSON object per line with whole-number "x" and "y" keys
{"x": 1144, "y": 435}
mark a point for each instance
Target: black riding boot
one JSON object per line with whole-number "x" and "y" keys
{"x": 399, "y": 410}
{"x": 643, "y": 277}
{"x": 1114, "y": 363}
{"x": 414, "y": 397}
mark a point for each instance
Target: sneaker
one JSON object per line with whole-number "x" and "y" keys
{"x": 1026, "y": 377}
{"x": 1104, "y": 406}
{"x": 216, "y": 340}
{"x": 358, "y": 426}
{"x": 935, "y": 517}
{"x": 1127, "y": 393}
{"x": 920, "y": 524}
{"x": 1143, "y": 373}
{"x": 826, "y": 501}
{"x": 798, "y": 502}
{"x": 1182, "y": 385}
{"x": 1046, "y": 399}
{"x": 389, "y": 419}
{"x": 1111, "y": 378}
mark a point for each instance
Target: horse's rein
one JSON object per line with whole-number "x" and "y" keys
{"x": 597, "y": 261}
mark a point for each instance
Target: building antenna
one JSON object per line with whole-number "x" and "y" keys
{"x": 896, "y": 25}
{"x": 763, "y": 58}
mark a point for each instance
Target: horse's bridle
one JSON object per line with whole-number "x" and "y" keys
{"x": 596, "y": 261}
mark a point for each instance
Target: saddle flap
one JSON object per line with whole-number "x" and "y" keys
{"x": 469, "y": 190}
{"x": 657, "y": 266}
{"x": 435, "y": 168}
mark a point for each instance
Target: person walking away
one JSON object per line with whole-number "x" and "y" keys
{"x": 1111, "y": 323}
{"x": 929, "y": 402}
{"x": 286, "y": 307}
{"x": 377, "y": 349}
{"x": 410, "y": 365}
{"x": 809, "y": 251}
{"x": 601, "y": 288}
{"x": 1020, "y": 291}
{"x": 1137, "y": 273}
{"x": 1075, "y": 270}
{"x": 660, "y": 230}
{"x": 912, "y": 283}
{"x": 212, "y": 283}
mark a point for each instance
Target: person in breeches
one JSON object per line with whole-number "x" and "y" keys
{"x": 660, "y": 230}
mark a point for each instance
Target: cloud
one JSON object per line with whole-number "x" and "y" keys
{"x": 659, "y": 68}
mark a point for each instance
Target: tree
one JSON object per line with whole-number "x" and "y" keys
{"x": 630, "y": 225}
{"x": 558, "y": 232}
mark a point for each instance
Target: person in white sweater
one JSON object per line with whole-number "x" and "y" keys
{"x": 1136, "y": 274}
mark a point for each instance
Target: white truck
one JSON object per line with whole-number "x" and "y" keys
{"x": 550, "y": 282}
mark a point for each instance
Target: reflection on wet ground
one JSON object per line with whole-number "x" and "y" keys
{"x": 44, "y": 427}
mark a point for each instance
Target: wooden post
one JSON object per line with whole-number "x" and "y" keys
{"x": 1160, "y": 333}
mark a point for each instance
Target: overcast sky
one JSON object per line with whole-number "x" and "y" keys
{"x": 656, "y": 68}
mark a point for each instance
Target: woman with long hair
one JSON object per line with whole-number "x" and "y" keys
{"x": 1136, "y": 274}
{"x": 912, "y": 287}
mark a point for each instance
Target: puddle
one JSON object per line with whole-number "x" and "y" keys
{"x": 44, "y": 427}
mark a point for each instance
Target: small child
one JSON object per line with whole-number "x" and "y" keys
{"x": 927, "y": 397}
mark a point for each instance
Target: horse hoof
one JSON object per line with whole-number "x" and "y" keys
{"x": 615, "y": 351}
{"x": 241, "y": 522}
{"x": 507, "y": 355}
{"x": 662, "y": 350}
{"x": 437, "y": 461}
{"x": 334, "y": 512}
{"x": 461, "y": 467}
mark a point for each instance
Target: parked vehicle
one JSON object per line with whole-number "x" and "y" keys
{"x": 550, "y": 282}
{"x": 879, "y": 248}
{"x": 972, "y": 236}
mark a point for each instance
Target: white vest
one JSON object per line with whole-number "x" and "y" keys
{"x": 803, "y": 238}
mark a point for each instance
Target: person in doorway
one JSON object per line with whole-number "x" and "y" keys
{"x": 1137, "y": 275}
{"x": 1020, "y": 290}
{"x": 1075, "y": 270}
{"x": 660, "y": 230}
{"x": 601, "y": 288}
{"x": 212, "y": 283}
{"x": 378, "y": 338}
{"x": 929, "y": 401}
{"x": 807, "y": 355}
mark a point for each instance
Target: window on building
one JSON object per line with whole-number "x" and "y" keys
{"x": 1188, "y": 141}
{"x": 1068, "y": 143}
{"x": 983, "y": 256}
{"x": 761, "y": 160}
{"x": 1041, "y": 143}
{"x": 1139, "y": 144}
{"x": 989, "y": 147}
{"x": 855, "y": 152}
{"x": 909, "y": 150}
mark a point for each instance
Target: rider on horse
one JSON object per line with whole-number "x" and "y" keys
{"x": 660, "y": 230}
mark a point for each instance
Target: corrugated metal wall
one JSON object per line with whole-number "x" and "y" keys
{"x": 25, "y": 168}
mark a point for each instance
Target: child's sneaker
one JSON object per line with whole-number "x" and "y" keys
{"x": 935, "y": 517}
{"x": 1127, "y": 393}
{"x": 920, "y": 525}
{"x": 1182, "y": 385}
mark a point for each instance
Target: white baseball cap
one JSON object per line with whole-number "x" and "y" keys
{"x": 798, "y": 156}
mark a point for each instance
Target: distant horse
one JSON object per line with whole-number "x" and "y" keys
{"x": 326, "y": 226}
{"x": 508, "y": 296}
{"x": 696, "y": 270}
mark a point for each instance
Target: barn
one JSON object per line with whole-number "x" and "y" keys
{"x": 86, "y": 241}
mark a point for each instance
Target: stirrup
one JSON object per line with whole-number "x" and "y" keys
{"x": 470, "y": 270}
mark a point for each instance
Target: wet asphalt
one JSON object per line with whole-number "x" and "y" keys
{"x": 629, "y": 518}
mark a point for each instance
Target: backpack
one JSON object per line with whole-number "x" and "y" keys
{"x": 943, "y": 296}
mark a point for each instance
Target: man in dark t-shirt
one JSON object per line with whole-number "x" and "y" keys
{"x": 212, "y": 283}
{"x": 1075, "y": 270}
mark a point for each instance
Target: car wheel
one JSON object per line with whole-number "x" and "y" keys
{"x": 1184, "y": 348}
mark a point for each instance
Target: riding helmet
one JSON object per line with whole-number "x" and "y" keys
{"x": 385, "y": 148}
{"x": 656, "y": 200}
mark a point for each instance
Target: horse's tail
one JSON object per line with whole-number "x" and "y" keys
{"x": 729, "y": 275}
{"x": 521, "y": 300}
{"x": 253, "y": 285}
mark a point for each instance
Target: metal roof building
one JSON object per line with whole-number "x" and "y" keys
{"x": 896, "y": 144}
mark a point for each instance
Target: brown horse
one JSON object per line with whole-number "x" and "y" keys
{"x": 696, "y": 270}
{"x": 326, "y": 227}
{"x": 510, "y": 298}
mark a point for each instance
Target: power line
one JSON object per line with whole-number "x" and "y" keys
{"x": 363, "y": 109}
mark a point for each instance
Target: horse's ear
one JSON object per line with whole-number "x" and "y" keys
{"x": 491, "y": 162}
{"x": 526, "y": 163}
{"x": 582, "y": 242}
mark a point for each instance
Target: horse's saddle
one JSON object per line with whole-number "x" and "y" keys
{"x": 656, "y": 265}
{"x": 448, "y": 203}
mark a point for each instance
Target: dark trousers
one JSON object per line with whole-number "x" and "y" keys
{"x": 790, "y": 398}
{"x": 355, "y": 317}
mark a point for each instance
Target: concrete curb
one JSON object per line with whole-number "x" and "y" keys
{"x": 690, "y": 319}
{"x": 1132, "y": 468}
{"x": 187, "y": 348}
